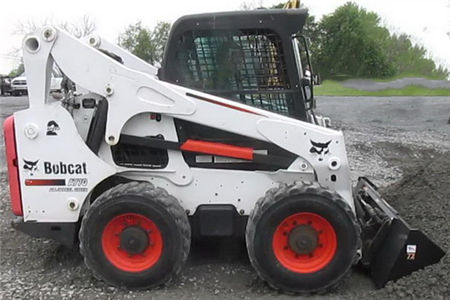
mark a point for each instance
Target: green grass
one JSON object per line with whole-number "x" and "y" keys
{"x": 335, "y": 88}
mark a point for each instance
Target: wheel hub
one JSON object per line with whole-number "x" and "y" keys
{"x": 134, "y": 240}
{"x": 303, "y": 239}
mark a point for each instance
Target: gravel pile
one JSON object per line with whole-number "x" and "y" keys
{"x": 423, "y": 198}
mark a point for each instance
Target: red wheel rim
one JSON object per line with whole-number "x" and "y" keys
{"x": 124, "y": 260}
{"x": 316, "y": 260}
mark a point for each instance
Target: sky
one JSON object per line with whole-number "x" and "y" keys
{"x": 427, "y": 21}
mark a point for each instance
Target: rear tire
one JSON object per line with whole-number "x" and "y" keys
{"x": 135, "y": 235}
{"x": 302, "y": 238}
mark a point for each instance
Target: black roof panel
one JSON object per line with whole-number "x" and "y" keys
{"x": 282, "y": 20}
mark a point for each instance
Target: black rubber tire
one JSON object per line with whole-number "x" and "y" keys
{"x": 156, "y": 204}
{"x": 287, "y": 200}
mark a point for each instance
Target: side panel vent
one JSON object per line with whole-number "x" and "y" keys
{"x": 138, "y": 156}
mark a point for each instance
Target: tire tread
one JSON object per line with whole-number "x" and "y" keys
{"x": 276, "y": 194}
{"x": 156, "y": 194}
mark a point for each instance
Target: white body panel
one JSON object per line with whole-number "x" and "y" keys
{"x": 132, "y": 95}
{"x": 239, "y": 188}
{"x": 50, "y": 203}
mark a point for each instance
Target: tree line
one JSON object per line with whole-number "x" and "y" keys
{"x": 350, "y": 42}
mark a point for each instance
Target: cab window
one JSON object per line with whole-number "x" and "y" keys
{"x": 243, "y": 65}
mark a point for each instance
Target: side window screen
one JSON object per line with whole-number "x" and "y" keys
{"x": 243, "y": 65}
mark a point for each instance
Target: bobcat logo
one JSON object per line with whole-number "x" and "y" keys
{"x": 52, "y": 128}
{"x": 320, "y": 149}
{"x": 30, "y": 166}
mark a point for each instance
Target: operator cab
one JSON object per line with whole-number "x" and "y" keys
{"x": 253, "y": 57}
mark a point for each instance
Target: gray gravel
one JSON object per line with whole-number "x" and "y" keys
{"x": 386, "y": 139}
{"x": 423, "y": 197}
{"x": 370, "y": 85}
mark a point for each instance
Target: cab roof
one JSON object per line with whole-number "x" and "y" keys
{"x": 288, "y": 21}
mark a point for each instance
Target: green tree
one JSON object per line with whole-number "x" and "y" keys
{"x": 350, "y": 43}
{"x": 412, "y": 59}
{"x": 312, "y": 31}
{"x": 17, "y": 71}
{"x": 145, "y": 43}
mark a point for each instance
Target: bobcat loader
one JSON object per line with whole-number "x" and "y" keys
{"x": 221, "y": 141}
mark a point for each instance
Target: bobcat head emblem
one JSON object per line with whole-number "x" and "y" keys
{"x": 320, "y": 149}
{"x": 30, "y": 166}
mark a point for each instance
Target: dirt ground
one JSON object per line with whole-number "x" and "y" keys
{"x": 401, "y": 143}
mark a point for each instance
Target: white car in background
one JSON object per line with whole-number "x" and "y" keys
{"x": 19, "y": 84}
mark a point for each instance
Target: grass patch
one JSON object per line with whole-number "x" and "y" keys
{"x": 334, "y": 88}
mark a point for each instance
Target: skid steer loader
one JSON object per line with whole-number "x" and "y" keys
{"x": 221, "y": 141}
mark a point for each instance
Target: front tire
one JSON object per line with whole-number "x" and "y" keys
{"x": 135, "y": 235}
{"x": 302, "y": 238}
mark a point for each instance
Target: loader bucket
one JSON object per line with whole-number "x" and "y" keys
{"x": 391, "y": 247}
